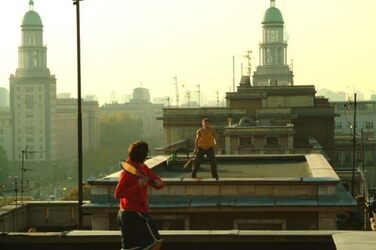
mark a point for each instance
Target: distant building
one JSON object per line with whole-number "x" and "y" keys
{"x": 66, "y": 126}
{"x": 166, "y": 100}
{"x": 365, "y": 117}
{"x": 91, "y": 98}
{"x": 64, "y": 95}
{"x": 6, "y": 128}
{"x": 37, "y": 119}
{"x": 33, "y": 94}
{"x": 333, "y": 96}
{"x": 139, "y": 107}
{"x": 4, "y": 97}
{"x": 273, "y": 69}
{"x": 365, "y": 147}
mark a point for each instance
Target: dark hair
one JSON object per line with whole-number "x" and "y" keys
{"x": 205, "y": 120}
{"x": 138, "y": 151}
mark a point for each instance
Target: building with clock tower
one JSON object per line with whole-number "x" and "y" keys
{"x": 33, "y": 94}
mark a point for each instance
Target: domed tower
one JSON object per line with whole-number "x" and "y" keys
{"x": 141, "y": 95}
{"x": 32, "y": 55}
{"x": 273, "y": 69}
{"x": 33, "y": 93}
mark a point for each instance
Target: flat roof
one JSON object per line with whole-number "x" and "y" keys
{"x": 246, "y": 169}
{"x": 268, "y": 167}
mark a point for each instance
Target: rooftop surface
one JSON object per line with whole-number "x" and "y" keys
{"x": 310, "y": 166}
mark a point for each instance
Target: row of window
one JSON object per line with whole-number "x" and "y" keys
{"x": 274, "y": 35}
{"x": 270, "y": 141}
{"x": 182, "y": 223}
{"x": 29, "y": 89}
{"x": 366, "y": 125}
{"x": 345, "y": 157}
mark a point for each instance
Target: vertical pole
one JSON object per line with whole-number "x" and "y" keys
{"x": 354, "y": 144}
{"x": 16, "y": 189}
{"x": 79, "y": 115}
{"x": 362, "y": 145}
{"x": 22, "y": 174}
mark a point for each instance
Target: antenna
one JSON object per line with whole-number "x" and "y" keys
{"x": 24, "y": 155}
{"x": 198, "y": 95}
{"x": 249, "y": 65}
{"x": 168, "y": 101}
{"x": 188, "y": 98}
{"x": 176, "y": 90}
{"x": 292, "y": 64}
{"x": 217, "y": 96}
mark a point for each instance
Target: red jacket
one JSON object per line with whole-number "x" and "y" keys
{"x": 133, "y": 197}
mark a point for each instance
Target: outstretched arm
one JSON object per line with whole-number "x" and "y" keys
{"x": 196, "y": 142}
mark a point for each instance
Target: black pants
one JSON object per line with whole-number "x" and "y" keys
{"x": 138, "y": 231}
{"x": 213, "y": 163}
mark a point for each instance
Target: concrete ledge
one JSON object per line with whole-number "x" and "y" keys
{"x": 190, "y": 239}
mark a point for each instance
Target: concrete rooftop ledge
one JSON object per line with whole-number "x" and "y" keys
{"x": 201, "y": 239}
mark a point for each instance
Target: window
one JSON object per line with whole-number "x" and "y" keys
{"x": 338, "y": 125}
{"x": 29, "y": 101}
{"x": 245, "y": 142}
{"x": 272, "y": 141}
{"x": 29, "y": 130}
{"x": 172, "y": 222}
{"x": 260, "y": 224}
{"x": 368, "y": 125}
{"x": 29, "y": 139}
{"x": 347, "y": 157}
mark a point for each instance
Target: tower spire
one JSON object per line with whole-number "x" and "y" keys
{"x": 31, "y": 5}
{"x": 272, "y": 3}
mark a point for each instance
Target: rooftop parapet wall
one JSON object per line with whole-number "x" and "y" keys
{"x": 320, "y": 186}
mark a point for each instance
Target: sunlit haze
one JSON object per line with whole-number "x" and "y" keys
{"x": 128, "y": 43}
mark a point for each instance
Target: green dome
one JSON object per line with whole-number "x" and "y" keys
{"x": 31, "y": 18}
{"x": 273, "y": 15}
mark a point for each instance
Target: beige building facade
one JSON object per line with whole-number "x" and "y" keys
{"x": 66, "y": 125}
{"x": 33, "y": 95}
{"x": 38, "y": 120}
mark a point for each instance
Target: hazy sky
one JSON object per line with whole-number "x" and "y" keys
{"x": 125, "y": 42}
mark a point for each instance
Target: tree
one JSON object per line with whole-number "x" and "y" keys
{"x": 117, "y": 131}
{"x": 72, "y": 194}
{"x": 4, "y": 165}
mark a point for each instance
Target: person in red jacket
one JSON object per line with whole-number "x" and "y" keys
{"x": 138, "y": 230}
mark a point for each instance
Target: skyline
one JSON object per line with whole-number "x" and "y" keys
{"x": 194, "y": 41}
